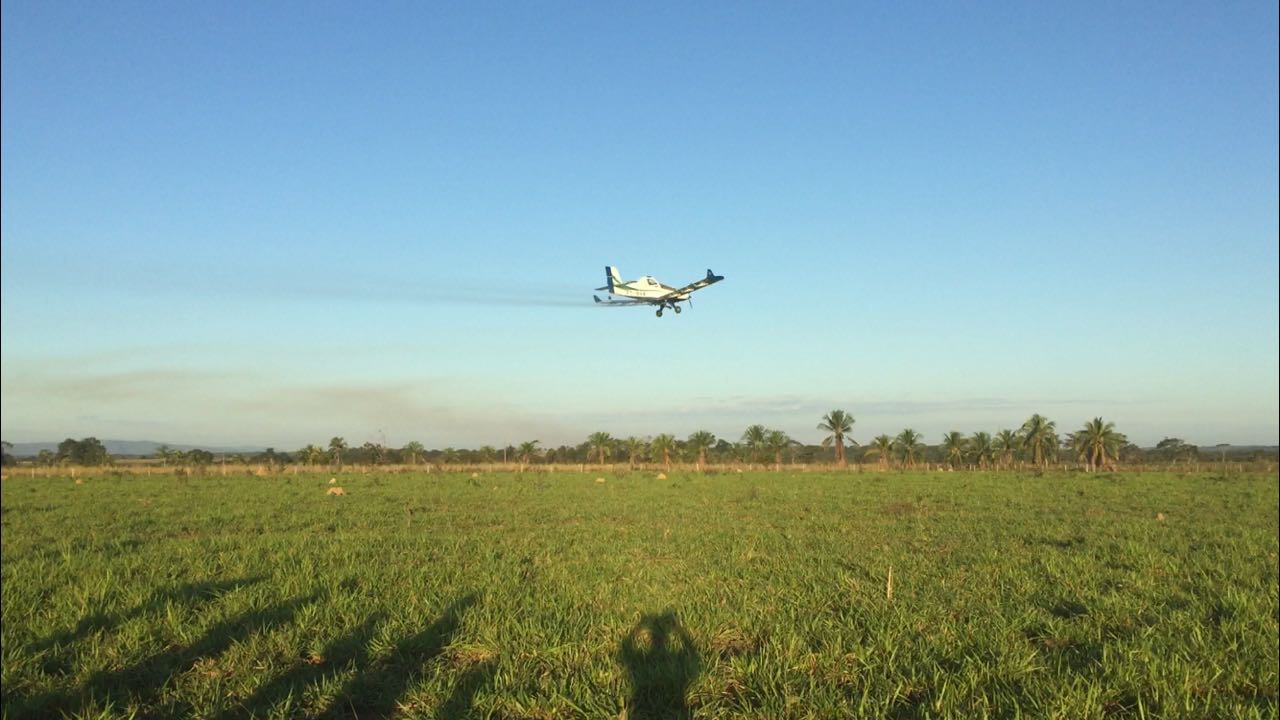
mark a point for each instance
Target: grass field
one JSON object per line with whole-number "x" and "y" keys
{"x": 762, "y": 595}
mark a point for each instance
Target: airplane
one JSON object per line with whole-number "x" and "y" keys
{"x": 648, "y": 291}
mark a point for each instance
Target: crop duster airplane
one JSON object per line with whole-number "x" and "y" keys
{"x": 648, "y": 291}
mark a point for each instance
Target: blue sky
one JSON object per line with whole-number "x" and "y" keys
{"x": 271, "y": 223}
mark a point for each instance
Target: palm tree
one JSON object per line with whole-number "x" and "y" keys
{"x": 699, "y": 442}
{"x": 602, "y": 443}
{"x": 839, "y": 423}
{"x": 753, "y": 439}
{"x": 980, "y": 449}
{"x": 1098, "y": 443}
{"x": 336, "y": 446}
{"x": 882, "y": 446}
{"x": 528, "y": 450}
{"x": 953, "y": 446}
{"x": 775, "y": 441}
{"x": 487, "y": 453}
{"x": 634, "y": 447}
{"x": 662, "y": 446}
{"x": 1007, "y": 443}
{"x": 412, "y": 451}
{"x": 449, "y": 455}
{"x": 1039, "y": 435}
{"x": 908, "y": 444}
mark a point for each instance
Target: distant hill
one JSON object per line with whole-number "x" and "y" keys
{"x": 126, "y": 448}
{"x": 1239, "y": 449}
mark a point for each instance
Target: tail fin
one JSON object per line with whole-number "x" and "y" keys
{"x": 611, "y": 276}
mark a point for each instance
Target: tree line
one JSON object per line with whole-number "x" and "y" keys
{"x": 1037, "y": 443}
{"x": 88, "y": 452}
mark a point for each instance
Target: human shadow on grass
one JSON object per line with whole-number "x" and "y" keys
{"x": 57, "y": 650}
{"x": 378, "y": 688}
{"x": 662, "y": 661}
{"x": 190, "y": 594}
{"x": 458, "y": 706}
{"x": 349, "y": 649}
{"x": 142, "y": 681}
{"x": 378, "y": 685}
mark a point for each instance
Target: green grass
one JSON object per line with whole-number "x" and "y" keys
{"x": 547, "y": 596}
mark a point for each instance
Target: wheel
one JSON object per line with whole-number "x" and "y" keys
{"x": 659, "y": 312}
{"x": 676, "y": 308}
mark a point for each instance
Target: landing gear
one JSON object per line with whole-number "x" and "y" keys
{"x": 659, "y": 312}
{"x": 676, "y": 308}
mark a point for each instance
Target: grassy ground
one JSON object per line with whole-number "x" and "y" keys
{"x": 544, "y": 596}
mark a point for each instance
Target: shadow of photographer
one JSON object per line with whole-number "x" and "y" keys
{"x": 662, "y": 661}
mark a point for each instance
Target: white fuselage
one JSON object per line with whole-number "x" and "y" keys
{"x": 644, "y": 288}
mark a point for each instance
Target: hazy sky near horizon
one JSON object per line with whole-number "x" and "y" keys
{"x": 273, "y": 223}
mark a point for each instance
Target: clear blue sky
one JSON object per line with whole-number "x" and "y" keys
{"x": 272, "y": 223}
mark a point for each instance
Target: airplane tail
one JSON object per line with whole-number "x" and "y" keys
{"x": 611, "y": 276}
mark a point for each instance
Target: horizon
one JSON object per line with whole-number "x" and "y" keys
{"x": 389, "y": 227}
{"x": 216, "y": 448}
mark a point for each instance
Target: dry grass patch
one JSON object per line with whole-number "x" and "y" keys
{"x": 901, "y": 508}
{"x": 734, "y": 642}
{"x": 468, "y": 656}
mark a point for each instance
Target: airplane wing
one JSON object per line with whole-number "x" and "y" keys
{"x": 612, "y": 301}
{"x": 710, "y": 279}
